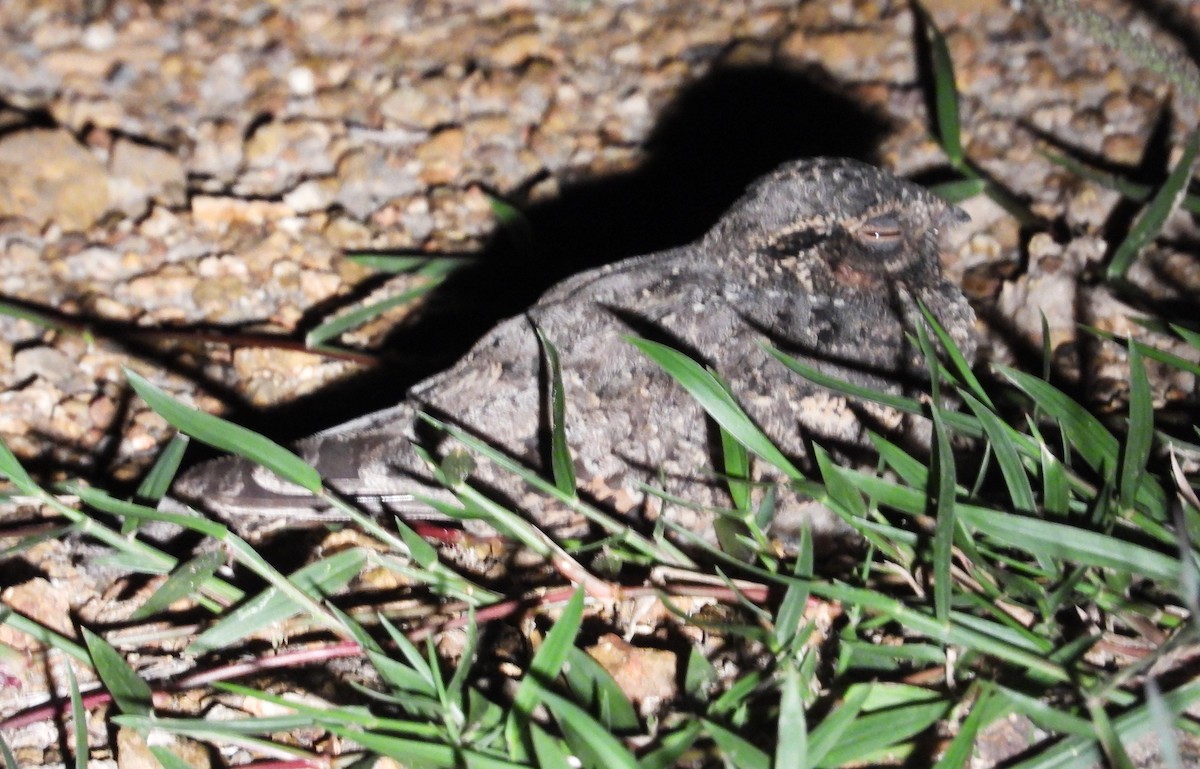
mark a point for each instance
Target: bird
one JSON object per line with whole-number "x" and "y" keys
{"x": 825, "y": 259}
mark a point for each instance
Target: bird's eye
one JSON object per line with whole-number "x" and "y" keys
{"x": 881, "y": 231}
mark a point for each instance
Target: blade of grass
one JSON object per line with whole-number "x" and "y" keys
{"x": 1083, "y": 751}
{"x": 735, "y": 749}
{"x": 1015, "y": 478}
{"x": 716, "y": 401}
{"x": 591, "y": 740}
{"x": 336, "y": 326}
{"x": 591, "y": 683}
{"x": 560, "y": 453}
{"x": 672, "y": 746}
{"x": 791, "y": 728}
{"x": 226, "y": 436}
{"x": 1071, "y": 543}
{"x": 130, "y": 693}
{"x": 1150, "y": 220}
{"x": 156, "y": 483}
{"x": 829, "y": 733}
{"x": 397, "y": 262}
{"x": 78, "y": 721}
{"x": 168, "y": 759}
{"x": 945, "y": 90}
{"x": 316, "y": 580}
{"x": 189, "y": 579}
{"x": 1140, "y": 436}
{"x": 1130, "y": 190}
{"x": 882, "y": 729}
{"x": 545, "y": 665}
{"x": 962, "y": 423}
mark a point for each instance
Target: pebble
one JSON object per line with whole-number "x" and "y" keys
{"x": 141, "y": 175}
{"x": 49, "y": 177}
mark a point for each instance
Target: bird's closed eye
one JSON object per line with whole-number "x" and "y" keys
{"x": 882, "y": 231}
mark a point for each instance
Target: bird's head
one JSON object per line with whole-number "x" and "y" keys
{"x": 855, "y": 223}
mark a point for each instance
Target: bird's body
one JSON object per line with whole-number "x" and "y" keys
{"x": 824, "y": 259}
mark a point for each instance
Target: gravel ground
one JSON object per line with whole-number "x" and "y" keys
{"x": 203, "y": 166}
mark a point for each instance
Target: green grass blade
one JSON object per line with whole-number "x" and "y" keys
{"x": 1090, "y": 439}
{"x": 672, "y": 746}
{"x": 398, "y": 262}
{"x": 962, "y": 423}
{"x": 791, "y": 728}
{"x": 959, "y": 190}
{"x": 735, "y": 749}
{"x": 945, "y": 90}
{"x": 1130, "y": 190}
{"x": 737, "y": 469}
{"x": 335, "y": 327}
{"x": 591, "y": 683}
{"x": 1150, "y": 221}
{"x": 156, "y": 483}
{"x": 716, "y": 401}
{"x": 829, "y": 733}
{"x": 78, "y": 721}
{"x": 958, "y": 362}
{"x": 1015, "y": 478}
{"x": 1153, "y": 353}
{"x": 551, "y": 752}
{"x": 789, "y": 618}
{"x": 1083, "y": 752}
{"x": 168, "y": 759}
{"x": 841, "y": 490}
{"x": 316, "y": 580}
{"x": 592, "y": 741}
{"x": 881, "y": 729}
{"x": 1071, "y": 543}
{"x": 1056, "y": 487}
{"x": 421, "y": 753}
{"x": 944, "y": 512}
{"x": 128, "y": 690}
{"x": 226, "y": 436}
{"x": 189, "y": 579}
{"x": 545, "y": 665}
{"x": 560, "y": 453}
{"x": 1140, "y": 437}
{"x": 10, "y": 761}
{"x": 986, "y": 709}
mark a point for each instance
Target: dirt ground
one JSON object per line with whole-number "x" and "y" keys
{"x": 175, "y": 176}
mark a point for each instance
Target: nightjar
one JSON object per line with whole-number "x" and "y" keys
{"x": 824, "y": 259}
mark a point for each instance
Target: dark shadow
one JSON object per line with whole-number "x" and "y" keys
{"x": 17, "y": 119}
{"x": 720, "y": 134}
{"x": 1174, "y": 19}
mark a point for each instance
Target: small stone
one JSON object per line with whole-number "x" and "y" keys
{"x": 50, "y": 365}
{"x": 646, "y": 676}
{"x": 442, "y": 156}
{"x": 427, "y": 104}
{"x": 517, "y": 49}
{"x": 43, "y": 601}
{"x": 369, "y": 177}
{"x": 310, "y": 196}
{"x": 219, "y": 213}
{"x": 49, "y": 177}
{"x": 283, "y": 153}
{"x": 140, "y": 174}
{"x": 301, "y": 81}
{"x": 1123, "y": 148}
{"x": 271, "y": 376}
{"x": 218, "y": 152}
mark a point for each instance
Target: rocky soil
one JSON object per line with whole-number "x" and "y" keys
{"x": 201, "y": 168}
